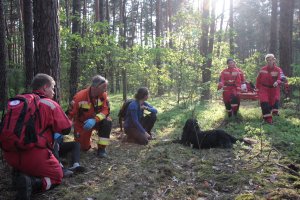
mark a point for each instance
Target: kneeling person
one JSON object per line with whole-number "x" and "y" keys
{"x": 89, "y": 111}
{"x": 38, "y": 167}
{"x": 137, "y": 126}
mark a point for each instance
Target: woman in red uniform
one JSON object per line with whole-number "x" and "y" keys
{"x": 267, "y": 83}
{"x": 230, "y": 81}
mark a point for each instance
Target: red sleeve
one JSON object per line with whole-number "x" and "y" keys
{"x": 73, "y": 107}
{"x": 60, "y": 120}
{"x": 278, "y": 76}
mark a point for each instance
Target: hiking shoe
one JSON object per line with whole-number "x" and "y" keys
{"x": 24, "y": 188}
{"x": 102, "y": 153}
{"x": 67, "y": 173}
{"x": 76, "y": 168}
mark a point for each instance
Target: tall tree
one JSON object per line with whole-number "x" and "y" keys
{"x": 97, "y": 18}
{"x": 170, "y": 25}
{"x": 46, "y": 40}
{"x": 74, "y": 49}
{"x": 273, "y": 33}
{"x": 210, "y": 50}
{"x": 101, "y": 10}
{"x": 204, "y": 48}
{"x": 285, "y": 35}
{"x": 3, "y": 69}
{"x": 28, "y": 39}
{"x": 231, "y": 45}
{"x": 123, "y": 43}
{"x": 221, "y": 28}
{"x": 158, "y": 45}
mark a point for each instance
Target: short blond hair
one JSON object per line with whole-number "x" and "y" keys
{"x": 269, "y": 55}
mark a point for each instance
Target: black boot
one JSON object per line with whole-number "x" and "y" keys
{"x": 27, "y": 185}
{"x": 24, "y": 187}
{"x": 37, "y": 184}
{"x": 14, "y": 176}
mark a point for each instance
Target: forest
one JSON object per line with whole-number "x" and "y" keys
{"x": 177, "y": 49}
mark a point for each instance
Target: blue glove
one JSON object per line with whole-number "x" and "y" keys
{"x": 89, "y": 124}
{"x": 58, "y": 138}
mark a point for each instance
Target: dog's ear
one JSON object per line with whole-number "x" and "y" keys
{"x": 196, "y": 126}
{"x": 186, "y": 132}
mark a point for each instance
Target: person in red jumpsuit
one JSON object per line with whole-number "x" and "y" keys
{"x": 90, "y": 111}
{"x": 38, "y": 167}
{"x": 267, "y": 83}
{"x": 230, "y": 82}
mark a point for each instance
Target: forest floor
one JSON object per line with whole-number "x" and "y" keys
{"x": 166, "y": 170}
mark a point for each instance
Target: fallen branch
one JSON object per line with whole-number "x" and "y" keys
{"x": 288, "y": 169}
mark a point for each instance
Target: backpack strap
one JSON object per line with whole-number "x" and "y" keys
{"x": 20, "y": 121}
{"x": 37, "y": 111}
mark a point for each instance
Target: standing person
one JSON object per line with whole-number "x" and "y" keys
{"x": 89, "y": 110}
{"x": 267, "y": 83}
{"x": 38, "y": 167}
{"x": 230, "y": 82}
{"x": 137, "y": 126}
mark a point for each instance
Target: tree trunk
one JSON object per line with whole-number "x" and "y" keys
{"x": 207, "y": 77}
{"x": 101, "y": 10}
{"x": 273, "y": 31}
{"x": 151, "y": 22}
{"x": 46, "y": 38}
{"x": 109, "y": 56}
{"x": 28, "y": 37}
{"x": 220, "y": 31}
{"x": 170, "y": 25}
{"x": 231, "y": 35}
{"x": 3, "y": 68}
{"x": 114, "y": 17}
{"x": 67, "y": 7}
{"x": 74, "y": 49}
{"x": 160, "y": 89}
{"x": 84, "y": 18}
{"x": 285, "y": 35}
{"x": 205, "y": 95}
{"x": 97, "y": 17}
{"x": 123, "y": 44}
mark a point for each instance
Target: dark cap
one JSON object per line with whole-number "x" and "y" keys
{"x": 229, "y": 59}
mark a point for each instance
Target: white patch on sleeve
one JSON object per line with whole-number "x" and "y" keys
{"x": 48, "y": 182}
{"x": 48, "y": 103}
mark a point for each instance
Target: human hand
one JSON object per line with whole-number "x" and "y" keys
{"x": 275, "y": 84}
{"x": 144, "y": 107}
{"x": 148, "y": 136}
{"x": 58, "y": 137}
{"x": 220, "y": 86}
{"x": 244, "y": 87}
{"x": 89, "y": 124}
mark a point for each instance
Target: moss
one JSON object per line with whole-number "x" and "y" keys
{"x": 246, "y": 197}
{"x": 296, "y": 185}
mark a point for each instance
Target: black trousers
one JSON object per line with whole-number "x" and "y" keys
{"x": 104, "y": 128}
{"x": 136, "y": 136}
{"x": 62, "y": 149}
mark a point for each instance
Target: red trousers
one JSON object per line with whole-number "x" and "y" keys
{"x": 269, "y": 95}
{"x": 39, "y": 163}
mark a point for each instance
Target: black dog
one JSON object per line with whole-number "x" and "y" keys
{"x": 205, "y": 139}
